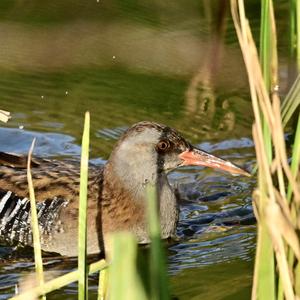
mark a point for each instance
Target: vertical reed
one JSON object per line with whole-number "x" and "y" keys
{"x": 125, "y": 281}
{"x": 83, "y": 268}
{"x": 82, "y": 228}
{"x": 276, "y": 215}
{"x": 158, "y": 277}
{"x": 35, "y": 224}
{"x": 265, "y": 257}
{"x": 295, "y": 31}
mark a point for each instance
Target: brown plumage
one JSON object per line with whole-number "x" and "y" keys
{"x": 116, "y": 191}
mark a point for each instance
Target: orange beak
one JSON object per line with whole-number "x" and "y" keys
{"x": 196, "y": 157}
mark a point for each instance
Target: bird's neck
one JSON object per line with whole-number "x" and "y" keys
{"x": 132, "y": 183}
{"x": 132, "y": 180}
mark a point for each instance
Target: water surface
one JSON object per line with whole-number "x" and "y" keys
{"x": 127, "y": 61}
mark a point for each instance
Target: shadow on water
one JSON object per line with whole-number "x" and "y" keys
{"x": 125, "y": 62}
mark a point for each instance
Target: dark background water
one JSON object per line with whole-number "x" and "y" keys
{"x": 127, "y": 61}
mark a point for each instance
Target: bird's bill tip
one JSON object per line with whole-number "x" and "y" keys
{"x": 196, "y": 157}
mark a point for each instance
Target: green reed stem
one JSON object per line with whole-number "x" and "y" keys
{"x": 265, "y": 60}
{"x": 102, "y": 285}
{"x": 265, "y": 265}
{"x": 295, "y": 31}
{"x": 158, "y": 279}
{"x": 60, "y": 282}
{"x": 298, "y": 32}
{"x": 82, "y": 231}
{"x": 265, "y": 42}
{"x": 294, "y": 208}
{"x": 295, "y": 157}
{"x": 292, "y": 11}
{"x": 125, "y": 280}
{"x": 291, "y": 102}
{"x": 276, "y": 227}
{"x": 35, "y": 224}
{"x": 266, "y": 270}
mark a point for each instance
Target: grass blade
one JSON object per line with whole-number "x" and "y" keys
{"x": 102, "y": 285}
{"x": 60, "y": 282}
{"x": 35, "y": 224}
{"x": 291, "y": 101}
{"x": 295, "y": 31}
{"x": 158, "y": 278}
{"x": 263, "y": 283}
{"x": 82, "y": 232}
{"x": 124, "y": 280}
{"x": 277, "y": 228}
{"x": 295, "y": 157}
{"x": 298, "y": 33}
{"x": 265, "y": 42}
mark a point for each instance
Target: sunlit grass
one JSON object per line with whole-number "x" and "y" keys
{"x": 276, "y": 200}
{"x": 158, "y": 278}
{"x": 291, "y": 102}
{"x": 82, "y": 220}
{"x": 60, "y": 281}
{"x": 294, "y": 10}
{"x": 35, "y": 224}
{"x": 83, "y": 268}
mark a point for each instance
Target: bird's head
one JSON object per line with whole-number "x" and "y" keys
{"x": 148, "y": 149}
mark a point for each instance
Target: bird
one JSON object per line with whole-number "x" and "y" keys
{"x": 144, "y": 154}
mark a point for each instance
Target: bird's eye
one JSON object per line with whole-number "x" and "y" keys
{"x": 162, "y": 146}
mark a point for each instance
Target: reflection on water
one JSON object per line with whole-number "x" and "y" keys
{"x": 219, "y": 281}
{"x": 117, "y": 98}
{"x": 200, "y": 96}
{"x": 127, "y": 61}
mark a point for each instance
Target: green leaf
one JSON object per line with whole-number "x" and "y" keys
{"x": 82, "y": 231}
